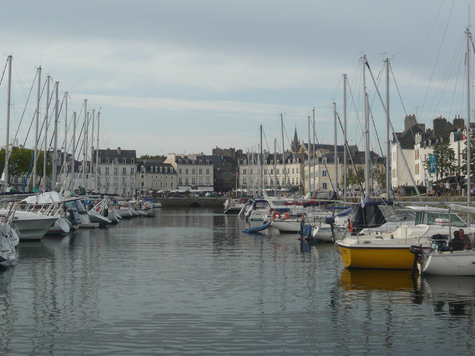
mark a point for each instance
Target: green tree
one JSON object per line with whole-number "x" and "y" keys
{"x": 445, "y": 159}
{"x": 351, "y": 177}
{"x": 163, "y": 158}
{"x": 20, "y": 162}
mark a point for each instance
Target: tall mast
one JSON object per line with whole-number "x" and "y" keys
{"x": 84, "y": 159}
{"x": 45, "y": 155}
{"x": 345, "y": 158}
{"x": 283, "y": 150}
{"x": 388, "y": 147}
{"x": 65, "y": 156}
{"x": 92, "y": 148}
{"x": 35, "y": 159}
{"x": 335, "y": 153}
{"x": 97, "y": 149}
{"x": 73, "y": 154}
{"x": 55, "y": 140}
{"x": 7, "y": 147}
{"x": 314, "y": 152}
{"x": 275, "y": 167}
{"x": 469, "y": 132}
{"x": 308, "y": 159}
{"x": 366, "y": 117}
{"x": 261, "y": 171}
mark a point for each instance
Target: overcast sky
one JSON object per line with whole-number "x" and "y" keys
{"x": 186, "y": 76}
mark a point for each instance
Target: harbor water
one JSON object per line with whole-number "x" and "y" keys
{"x": 190, "y": 282}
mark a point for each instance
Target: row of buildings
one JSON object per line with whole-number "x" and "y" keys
{"x": 305, "y": 167}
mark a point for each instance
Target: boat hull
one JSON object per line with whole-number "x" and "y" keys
{"x": 457, "y": 263}
{"x": 376, "y": 258}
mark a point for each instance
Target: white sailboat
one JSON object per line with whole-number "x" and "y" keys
{"x": 442, "y": 261}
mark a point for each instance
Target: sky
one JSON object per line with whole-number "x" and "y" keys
{"x": 184, "y": 76}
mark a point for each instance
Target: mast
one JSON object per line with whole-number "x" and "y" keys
{"x": 7, "y": 146}
{"x": 97, "y": 149}
{"x": 73, "y": 155}
{"x": 275, "y": 167}
{"x": 92, "y": 148}
{"x": 335, "y": 155}
{"x": 469, "y": 132}
{"x": 314, "y": 152}
{"x": 283, "y": 151}
{"x": 84, "y": 159}
{"x": 366, "y": 117}
{"x": 35, "y": 159}
{"x": 308, "y": 159}
{"x": 345, "y": 158}
{"x": 388, "y": 147}
{"x": 65, "y": 156}
{"x": 261, "y": 171}
{"x": 46, "y": 133}
{"x": 55, "y": 140}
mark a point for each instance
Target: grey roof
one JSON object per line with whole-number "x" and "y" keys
{"x": 119, "y": 154}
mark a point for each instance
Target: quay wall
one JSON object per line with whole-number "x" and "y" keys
{"x": 198, "y": 202}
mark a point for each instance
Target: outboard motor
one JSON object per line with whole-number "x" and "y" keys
{"x": 331, "y": 221}
{"x": 417, "y": 251}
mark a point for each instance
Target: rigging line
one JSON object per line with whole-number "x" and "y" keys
{"x": 347, "y": 146}
{"x": 377, "y": 136}
{"x": 24, "y": 110}
{"x": 437, "y": 57}
{"x": 4, "y": 70}
{"x": 394, "y": 135}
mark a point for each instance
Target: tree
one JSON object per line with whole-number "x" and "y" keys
{"x": 20, "y": 162}
{"x": 445, "y": 159}
{"x": 163, "y": 158}
{"x": 351, "y": 176}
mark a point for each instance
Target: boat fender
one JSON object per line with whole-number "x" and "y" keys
{"x": 286, "y": 215}
{"x": 350, "y": 227}
{"x": 276, "y": 215}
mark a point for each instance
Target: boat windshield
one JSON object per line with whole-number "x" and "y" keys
{"x": 429, "y": 218}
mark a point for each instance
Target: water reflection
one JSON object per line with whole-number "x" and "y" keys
{"x": 450, "y": 294}
{"x": 367, "y": 279}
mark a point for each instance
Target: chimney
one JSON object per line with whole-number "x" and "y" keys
{"x": 119, "y": 151}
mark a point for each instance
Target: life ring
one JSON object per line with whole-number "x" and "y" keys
{"x": 350, "y": 227}
{"x": 276, "y": 215}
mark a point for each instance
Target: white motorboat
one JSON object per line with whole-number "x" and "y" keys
{"x": 30, "y": 226}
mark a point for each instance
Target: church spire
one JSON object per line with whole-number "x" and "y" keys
{"x": 295, "y": 142}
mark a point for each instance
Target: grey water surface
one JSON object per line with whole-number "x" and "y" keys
{"x": 189, "y": 282}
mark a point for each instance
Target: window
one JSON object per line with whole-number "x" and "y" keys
{"x": 107, "y": 170}
{"x": 186, "y": 171}
{"x": 193, "y": 171}
{"x": 179, "y": 170}
{"x": 193, "y": 181}
{"x": 124, "y": 161}
{"x": 186, "y": 180}
{"x": 161, "y": 169}
{"x": 200, "y": 171}
{"x": 124, "y": 170}
{"x": 98, "y": 170}
{"x": 180, "y": 181}
{"x": 132, "y": 160}
{"x": 207, "y": 171}
{"x": 324, "y": 173}
{"x": 115, "y": 171}
{"x": 171, "y": 170}
{"x": 207, "y": 180}
{"x": 107, "y": 160}
{"x": 132, "y": 170}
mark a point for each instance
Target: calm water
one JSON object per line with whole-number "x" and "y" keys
{"x": 188, "y": 282}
